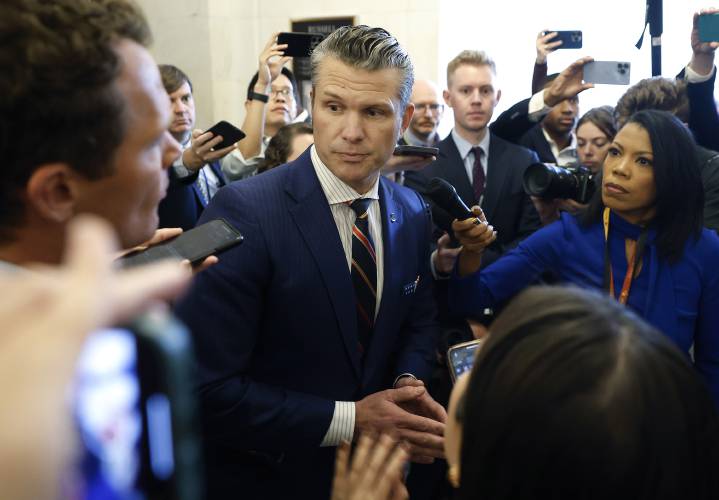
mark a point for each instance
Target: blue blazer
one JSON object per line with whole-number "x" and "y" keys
{"x": 681, "y": 300}
{"x": 274, "y": 326}
{"x": 183, "y": 204}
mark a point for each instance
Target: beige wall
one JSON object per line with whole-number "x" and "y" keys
{"x": 216, "y": 42}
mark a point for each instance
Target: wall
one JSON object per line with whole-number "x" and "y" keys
{"x": 217, "y": 42}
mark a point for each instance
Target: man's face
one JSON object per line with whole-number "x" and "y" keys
{"x": 562, "y": 118}
{"x": 472, "y": 95}
{"x": 282, "y": 107}
{"x": 357, "y": 119}
{"x": 183, "y": 113}
{"x": 428, "y": 110}
{"x": 129, "y": 197}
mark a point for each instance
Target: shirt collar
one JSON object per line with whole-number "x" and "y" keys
{"x": 464, "y": 146}
{"x": 553, "y": 145}
{"x": 334, "y": 188}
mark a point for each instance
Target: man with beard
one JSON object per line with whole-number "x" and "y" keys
{"x": 428, "y": 110}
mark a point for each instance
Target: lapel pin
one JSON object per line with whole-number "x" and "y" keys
{"x": 392, "y": 217}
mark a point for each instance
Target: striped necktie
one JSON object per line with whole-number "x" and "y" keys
{"x": 364, "y": 272}
{"x": 478, "y": 177}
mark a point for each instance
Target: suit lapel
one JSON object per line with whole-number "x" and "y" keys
{"x": 496, "y": 177}
{"x": 393, "y": 249}
{"x": 314, "y": 220}
{"x": 454, "y": 172}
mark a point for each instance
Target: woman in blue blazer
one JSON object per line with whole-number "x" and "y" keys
{"x": 641, "y": 239}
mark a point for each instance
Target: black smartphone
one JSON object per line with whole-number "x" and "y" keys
{"x": 230, "y": 134}
{"x": 709, "y": 27}
{"x": 424, "y": 151}
{"x": 570, "y": 39}
{"x": 460, "y": 357}
{"x": 194, "y": 245}
{"x": 607, "y": 72}
{"x": 299, "y": 44}
{"x": 135, "y": 413}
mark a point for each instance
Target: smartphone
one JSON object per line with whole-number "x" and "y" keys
{"x": 135, "y": 413}
{"x": 194, "y": 245}
{"x": 460, "y": 357}
{"x": 230, "y": 134}
{"x": 607, "y": 72}
{"x": 709, "y": 27}
{"x": 424, "y": 151}
{"x": 570, "y": 39}
{"x": 300, "y": 44}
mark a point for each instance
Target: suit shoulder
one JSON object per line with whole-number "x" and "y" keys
{"x": 503, "y": 146}
{"x": 405, "y": 196}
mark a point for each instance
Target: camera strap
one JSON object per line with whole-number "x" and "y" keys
{"x": 636, "y": 249}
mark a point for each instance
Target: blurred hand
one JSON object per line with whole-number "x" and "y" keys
{"x": 424, "y": 406}
{"x": 479, "y": 331}
{"x": 383, "y": 412}
{"x": 571, "y": 206}
{"x": 397, "y": 163}
{"x": 375, "y": 473}
{"x": 45, "y": 321}
{"x": 548, "y": 210}
{"x": 201, "y": 150}
{"x": 568, "y": 83}
{"x": 545, "y": 46}
{"x": 270, "y": 68}
{"x": 445, "y": 256}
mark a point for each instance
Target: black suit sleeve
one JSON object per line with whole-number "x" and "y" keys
{"x": 513, "y": 123}
{"x": 703, "y": 117}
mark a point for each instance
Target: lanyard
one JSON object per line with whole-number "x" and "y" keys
{"x": 636, "y": 249}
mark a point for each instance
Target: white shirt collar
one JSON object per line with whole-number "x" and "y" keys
{"x": 464, "y": 146}
{"x": 334, "y": 188}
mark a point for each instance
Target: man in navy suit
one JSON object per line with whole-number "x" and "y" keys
{"x": 485, "y": 169}
{"x": 196, "y": 175}
{"x": 321, "y": 325}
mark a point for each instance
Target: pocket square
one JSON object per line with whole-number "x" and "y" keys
{"x": 411, "y": 287}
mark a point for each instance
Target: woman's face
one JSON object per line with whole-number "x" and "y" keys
{"x": 628, "y": 182}
{"x": 592, "y": 146}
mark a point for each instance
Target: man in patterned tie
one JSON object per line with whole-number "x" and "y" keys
{"x": 322, "y": 324}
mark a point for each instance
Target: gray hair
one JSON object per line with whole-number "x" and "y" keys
{"x": 369, "y": 49}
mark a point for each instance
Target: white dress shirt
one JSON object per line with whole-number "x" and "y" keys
{"x": 338, "y": 196}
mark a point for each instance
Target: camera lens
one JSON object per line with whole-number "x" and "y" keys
{"x": 549, "y": 181}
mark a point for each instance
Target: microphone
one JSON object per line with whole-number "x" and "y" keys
{"x": 445, "y": 196}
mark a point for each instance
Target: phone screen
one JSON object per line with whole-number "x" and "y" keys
{"x": 461, "y": 358}
{"x": 108, "y": 416}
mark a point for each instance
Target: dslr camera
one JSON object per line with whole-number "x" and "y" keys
{"x": 550, "y": 182}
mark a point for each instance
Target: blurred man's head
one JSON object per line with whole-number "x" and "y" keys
{"x": 472, "y": 91}
{"x": 562, "y": 118}
{"x": 83, "y": 123}
{"x": 179, "y": 87}
{"x": 361, "y": 83}
{"x": 283, "y": 101}
{"x": 428, "y": 109}
{"x": 661, "y": 94}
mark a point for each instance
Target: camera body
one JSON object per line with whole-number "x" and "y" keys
{"x": 550, "y": 182}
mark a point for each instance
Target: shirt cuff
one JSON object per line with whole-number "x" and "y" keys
{"x": 342, "y": 427}
{"x": 692, "y": 76}
{"x": 436, "y": 274}
{"x": 537, "y": 108}
{"x": 402, "y": 376}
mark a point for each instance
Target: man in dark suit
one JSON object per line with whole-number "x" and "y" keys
{"x": 485, "y": 169}
{"x": 196, "y": 175}
{"x": 321, "y": 325}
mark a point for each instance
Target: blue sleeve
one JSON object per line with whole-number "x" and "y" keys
{"x": 493, "y": 286}
{"x": 706, "y": 337}
{"x": 223, "y": 310}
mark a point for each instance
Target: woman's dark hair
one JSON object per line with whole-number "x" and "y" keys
{"x": 602, "y": 118}
{"x": 575, "y": 397}
{"x": 680, "y": 193}
{"x": 280, "y": 145}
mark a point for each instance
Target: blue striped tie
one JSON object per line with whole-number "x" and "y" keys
{"x": 364, "y": 272}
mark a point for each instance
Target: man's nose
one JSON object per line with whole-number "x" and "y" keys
{"x": 352, "y": 130}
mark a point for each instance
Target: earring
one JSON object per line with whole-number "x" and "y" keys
{"x": 453, "y": 476}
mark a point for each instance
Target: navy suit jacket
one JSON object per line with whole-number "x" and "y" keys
{"x": 183, "y": 204}
{"x": 274, "y": 325}
{"x": 507, "y": 207}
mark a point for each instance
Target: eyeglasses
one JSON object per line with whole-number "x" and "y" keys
{"x": 433, "y": 108}
{"x": 284, "y": 92}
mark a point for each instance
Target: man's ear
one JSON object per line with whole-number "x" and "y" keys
{"x": 499, "y": 95}
{"x": 447, "y": 98}
{"x": 50, "y": 192}
{"x": 406, "y": 118}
